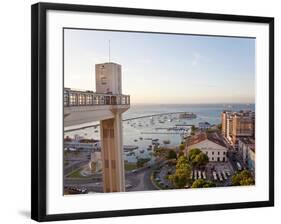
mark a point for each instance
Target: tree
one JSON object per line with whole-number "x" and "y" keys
{"x": 171, "y": 154}
{"x": 182, "y": 174}
{"x": 181, "y": 147}
{"x": 197, "y": 158}
{"x": 180, "y": 154}
{"x": 193, "y": 128}
{"x": 199, "y": 183}
{"x": 192, "y": 153}
{"x": 242, "y": 178}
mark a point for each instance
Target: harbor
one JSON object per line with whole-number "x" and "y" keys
{"x": 147, "y": 126}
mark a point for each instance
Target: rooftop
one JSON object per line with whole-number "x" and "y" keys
{"x": 241, "y": 113}
{"x": 249, "y": 141}
{"x": 214, "y": 137}
{"x": 204, "y": 122}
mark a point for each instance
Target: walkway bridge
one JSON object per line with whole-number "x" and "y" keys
{"x": 87, "y": 106}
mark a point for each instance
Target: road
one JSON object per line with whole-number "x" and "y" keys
{"x": 73, "y": 166}
{"x": 135, "y": 181}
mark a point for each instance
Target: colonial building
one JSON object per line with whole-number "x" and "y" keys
{"x": 246, "y": 148}
{"x": 210, "y": 144}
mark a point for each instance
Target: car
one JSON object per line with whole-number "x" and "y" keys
{"x": 83, "y": 190}
{"x": 215, "y": 175}
{"x": 224, "y": 175}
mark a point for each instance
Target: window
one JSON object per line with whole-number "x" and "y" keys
{"x": 207, "y": 153}
{"x": 224, "y": 153}
{"x": 218, "y": 153}
{"x": 73, "y": 99}
{"x": 212, "y": 153}
{"x": 212, "y": 158}
{"x": 113, "y": 164}
{"x": 66, "y": 98}
{"x": 89, "y": 99}
{"x": 103, "y": 80}
{"x": 218, "y": 159}
{"x": 106, "y": 163}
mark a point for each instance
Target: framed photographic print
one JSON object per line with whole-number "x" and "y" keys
{"x": 140, "y": 111}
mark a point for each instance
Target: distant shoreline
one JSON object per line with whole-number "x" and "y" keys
{"x": 128, "y": 119}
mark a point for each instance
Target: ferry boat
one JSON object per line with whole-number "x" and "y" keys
{"x": 187, "y": 115}
{"x": 166, "y": 141}
{"x": 130, "y": 147}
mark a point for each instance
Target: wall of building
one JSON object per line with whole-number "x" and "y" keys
{"x": 108, "y": 78}
{"x": 247, "y": 153}
{"x": 214, "y": 151}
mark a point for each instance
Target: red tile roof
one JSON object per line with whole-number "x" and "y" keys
{"x": 214, "y": 137}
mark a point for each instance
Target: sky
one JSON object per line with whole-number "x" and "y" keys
{"x": 165, "y": 68}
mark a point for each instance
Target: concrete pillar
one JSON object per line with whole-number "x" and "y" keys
{"x": 112, "y": 154}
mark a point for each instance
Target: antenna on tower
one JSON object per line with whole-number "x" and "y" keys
{"x": 109, "y": 50}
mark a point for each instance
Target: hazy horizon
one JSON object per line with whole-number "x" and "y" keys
{"x": 165, "y": 68}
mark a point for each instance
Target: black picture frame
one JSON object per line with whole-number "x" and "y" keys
{"x": 39, "y": 107}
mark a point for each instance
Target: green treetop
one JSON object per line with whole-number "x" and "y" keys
{"x": 182, "y": 174}
{"x": 242, "y": 178}
{"x": 197, "y": 158}
{"x": 200, "y": 183}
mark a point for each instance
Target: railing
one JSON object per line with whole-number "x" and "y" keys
{"x": 90, "y": 98}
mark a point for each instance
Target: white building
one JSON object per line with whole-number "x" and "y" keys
{"x": 210, "y": 144}
{"x": 204, "y": 125}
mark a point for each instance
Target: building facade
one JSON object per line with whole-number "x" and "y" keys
{"x": 108, "y": 78}
{"x": 204, "y": 125}
{"x": 237, "y": 125}
{"x": 246, "y": 149}
{"x": 210, "y": 144}
{"x": 243, "y": 126}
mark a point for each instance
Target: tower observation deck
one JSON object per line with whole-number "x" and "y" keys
{"x": 105, "y": 105}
